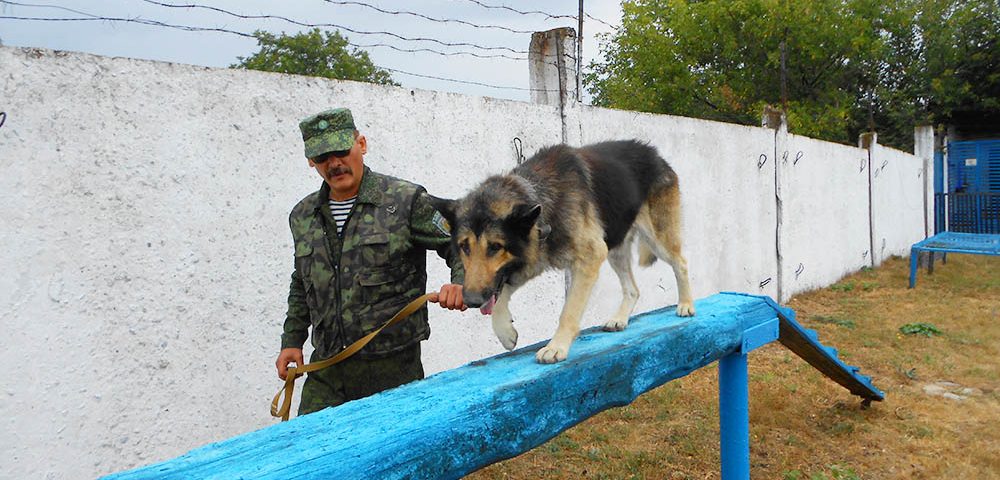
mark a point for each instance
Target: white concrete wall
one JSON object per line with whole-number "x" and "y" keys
{"x": 147, "y": 255}
{"x": 897, "y": 203}
{"x": 824, "y": 190}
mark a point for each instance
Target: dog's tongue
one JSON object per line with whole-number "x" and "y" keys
{"x": 487, "y": 308}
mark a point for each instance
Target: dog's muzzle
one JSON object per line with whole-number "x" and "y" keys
{"x": 475, "y": 299}
{"x": 483, "y": 300}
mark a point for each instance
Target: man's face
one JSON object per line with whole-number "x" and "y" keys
{"x": 342, "y": 170}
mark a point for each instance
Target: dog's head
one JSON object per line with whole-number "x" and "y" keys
{"x": 495, "y": 229}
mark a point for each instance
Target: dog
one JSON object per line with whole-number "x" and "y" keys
{"x": 571, "y": 209}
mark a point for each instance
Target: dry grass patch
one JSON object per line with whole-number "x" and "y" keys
{"x": 806, "y": 427}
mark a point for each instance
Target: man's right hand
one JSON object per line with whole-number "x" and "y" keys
{"x": 288, "y": 355}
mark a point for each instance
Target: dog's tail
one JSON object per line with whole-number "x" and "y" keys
{"x": 646, "y": 256}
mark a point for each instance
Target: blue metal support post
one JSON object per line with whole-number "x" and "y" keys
{"x": 734, "y": 401}
{"x": 734, "y": 417}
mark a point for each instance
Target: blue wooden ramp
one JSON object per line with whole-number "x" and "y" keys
{"x": 460, "y": 420}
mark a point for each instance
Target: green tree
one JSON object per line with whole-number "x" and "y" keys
{"x": 943, "y": 67}
{"x": 962, "y": 56}
{"x": 849, "y": 65}
{"x": 314, "y": 53}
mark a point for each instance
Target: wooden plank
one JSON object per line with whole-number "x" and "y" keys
{"x": 458, "y": 421}
{"x": 805, "y": 343}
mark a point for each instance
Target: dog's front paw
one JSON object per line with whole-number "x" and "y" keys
{"x": 685, "y": 309}
{"x": 552, "y": 353}
{"x": 506, "y": 333}
{"x": 616, "y": 324}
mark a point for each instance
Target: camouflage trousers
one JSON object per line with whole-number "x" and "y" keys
{"x": 356, "y": 378}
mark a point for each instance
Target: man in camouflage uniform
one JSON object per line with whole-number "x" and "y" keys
{"x": 351, "y": 277}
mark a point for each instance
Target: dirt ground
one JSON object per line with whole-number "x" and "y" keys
{"x": 933, "y": 350}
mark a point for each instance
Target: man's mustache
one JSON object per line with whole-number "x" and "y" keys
{"x": 338, "y": 170}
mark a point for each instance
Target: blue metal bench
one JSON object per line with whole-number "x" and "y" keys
{"x": 458, "y": 421}
{"x": 952, "y": 242}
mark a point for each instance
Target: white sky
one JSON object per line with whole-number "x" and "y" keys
{"x": 221, "y": 49}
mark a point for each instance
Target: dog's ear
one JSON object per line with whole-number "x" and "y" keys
{"x": 445, "y": 207}
{"x": 523, "y": 217}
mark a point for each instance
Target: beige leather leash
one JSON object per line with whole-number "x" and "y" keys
{"x": 296, "y": 372}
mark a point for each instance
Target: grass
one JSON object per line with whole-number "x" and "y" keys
{"x": 806, "y": 427}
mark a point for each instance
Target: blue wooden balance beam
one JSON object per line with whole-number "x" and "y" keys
{"x": 458, "y": 421}
{"x": 952, "y": 242}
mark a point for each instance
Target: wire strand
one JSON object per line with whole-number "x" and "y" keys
{"x": 333, "y": 25}
{"x": 468, "y": 82}
{"x": 425, "y": 17}
{"x": 538, "y": 12}
{"x": 157, "y": 23}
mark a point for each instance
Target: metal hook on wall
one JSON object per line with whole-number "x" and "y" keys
{"x": 518, "y": 150}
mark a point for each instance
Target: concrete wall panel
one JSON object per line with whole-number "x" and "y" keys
{"x": 897, "y": 202}
{"x": 824, "y": 191}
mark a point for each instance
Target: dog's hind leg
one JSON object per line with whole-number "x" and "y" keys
{"x": 661, "y": 230}
{"x": 503, "y": 321}
{"x": 620, "y": 259}
{"x": 585, "y": 270}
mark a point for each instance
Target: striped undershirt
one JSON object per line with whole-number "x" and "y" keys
{"x": 340, "y": 210}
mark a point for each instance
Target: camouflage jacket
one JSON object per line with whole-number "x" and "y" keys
{"x": 348, "y": 285}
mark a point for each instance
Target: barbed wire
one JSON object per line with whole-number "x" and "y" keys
{"x": 333, "y": 25}
{"x": 189, "y": 28}
{"x": 425, "y": 17}
{"x": 143, "y": 21}
{"x": 469, "y": 82}
{"x": 88, "y": 17}
{"x": 57, "y": 7}
{"x": 91, "y": 17}
{"x": 538, "y": 12}
{"x": 126, "y": 20}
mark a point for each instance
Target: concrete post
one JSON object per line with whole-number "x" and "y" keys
{"x": 775, "y": 119}
{"x": 552, "y": 77}
{"x": 867, "y": 141}
{"x": 923, "y": 148}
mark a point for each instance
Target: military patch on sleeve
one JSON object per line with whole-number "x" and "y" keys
{"x": 442, "y": 225}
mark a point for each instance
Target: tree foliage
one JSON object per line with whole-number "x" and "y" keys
{"x": 849, "y": 65}
{"x": 314, "y": 53}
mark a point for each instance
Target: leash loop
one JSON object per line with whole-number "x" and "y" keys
{"x": 283, "y": 409}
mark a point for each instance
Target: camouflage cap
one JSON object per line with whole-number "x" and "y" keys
{"x": 328, "y": 131}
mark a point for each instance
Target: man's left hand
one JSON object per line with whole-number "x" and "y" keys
{"x": 450, "y": 297}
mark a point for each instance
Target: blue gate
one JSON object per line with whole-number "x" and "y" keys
{"x": 971, "y": 203}
{"x": 974, "y": 166}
